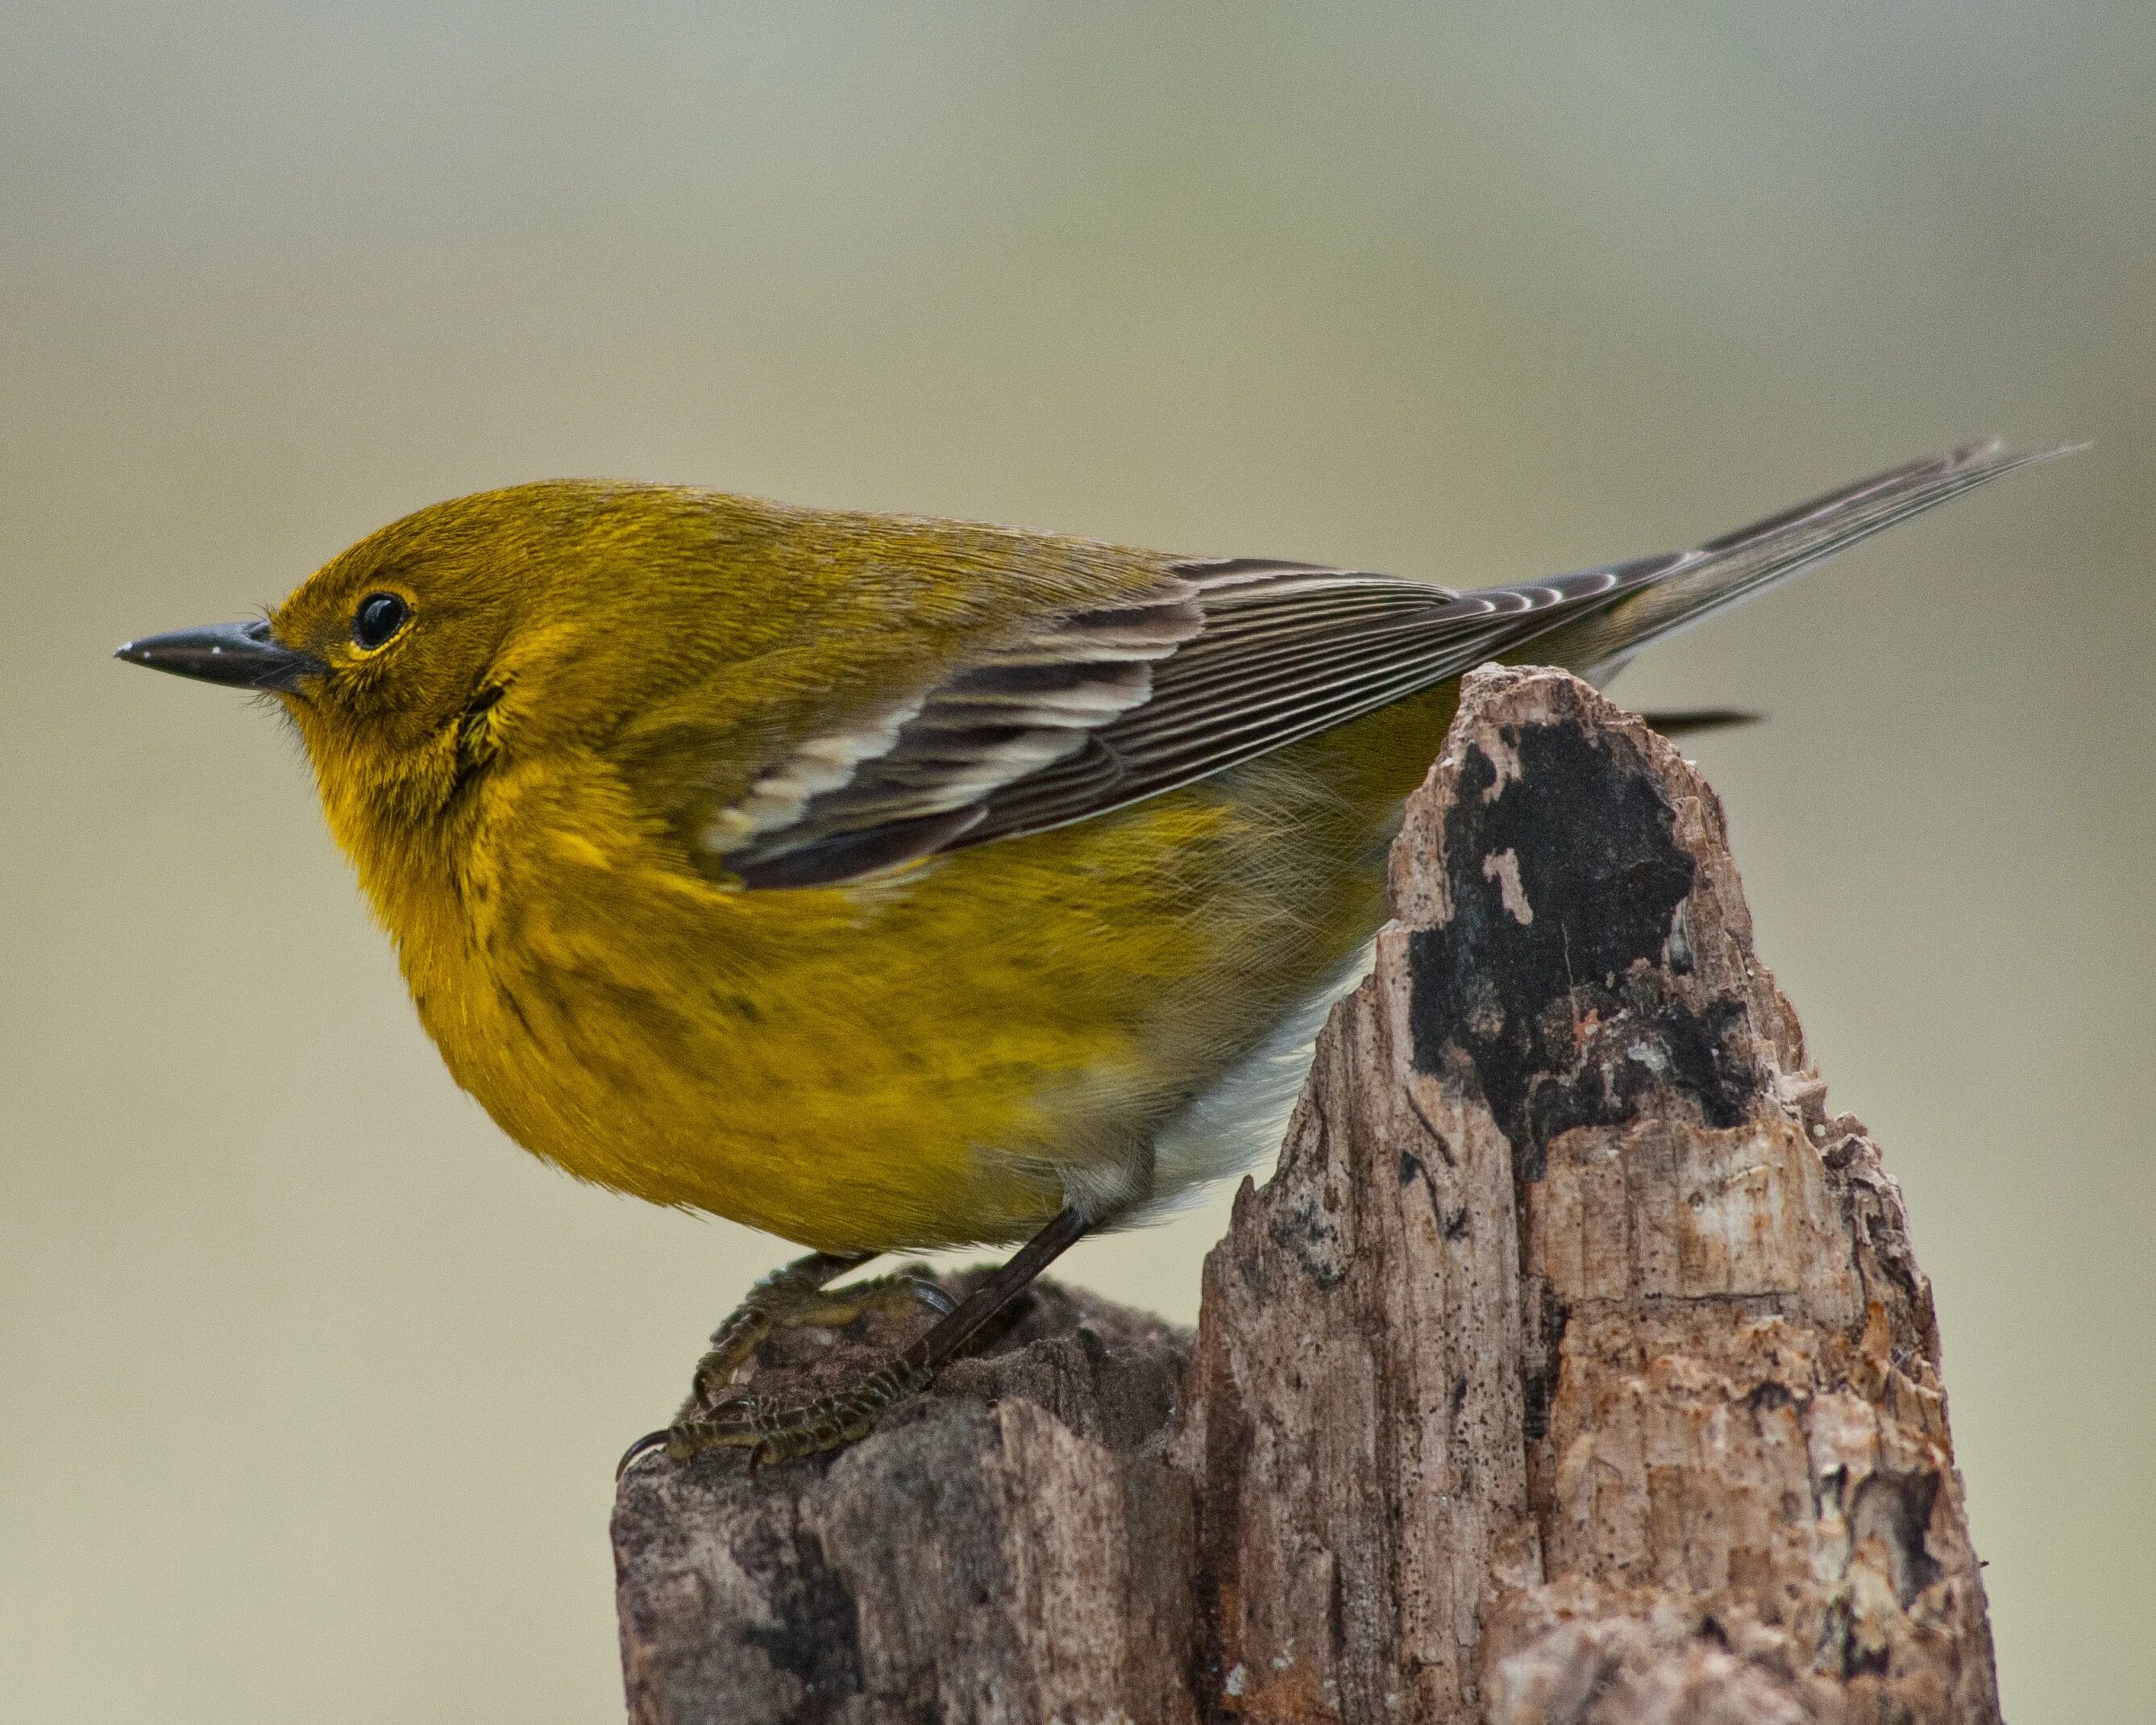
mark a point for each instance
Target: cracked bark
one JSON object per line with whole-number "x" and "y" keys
{"x": 1574, "y": 1365}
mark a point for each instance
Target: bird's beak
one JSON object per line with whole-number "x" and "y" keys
{"x": 242, "y": 654}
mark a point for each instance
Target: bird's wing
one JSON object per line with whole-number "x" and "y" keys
{"x": 1095, "y": 708}
{"x": 1225, "y": 660}
{"x": 917, "y": 776}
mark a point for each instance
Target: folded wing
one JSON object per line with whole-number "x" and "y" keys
{"x": 1229, "y": 659}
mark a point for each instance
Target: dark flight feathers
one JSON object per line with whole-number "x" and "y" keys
{"x": 1231, "y": 659}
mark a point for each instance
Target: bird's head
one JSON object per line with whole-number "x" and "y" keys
{"x": 500, "y": 624}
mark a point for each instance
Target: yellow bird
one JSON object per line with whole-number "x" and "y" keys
{"x": 889, "y": 883}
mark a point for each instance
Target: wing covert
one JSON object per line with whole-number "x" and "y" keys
{"x": 916, "y": 779}
{"x": 1227, "y": 660}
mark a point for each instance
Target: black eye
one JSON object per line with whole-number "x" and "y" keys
{"x": 380, "y": 615}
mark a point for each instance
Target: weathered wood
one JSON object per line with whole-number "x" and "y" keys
{"x": 1574, "y": 1365}
{"x": 1009, "y": 1547}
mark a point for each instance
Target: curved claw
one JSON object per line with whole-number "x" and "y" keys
{"x": 931, "y": 1295}
{"x": 649, "y": 1444}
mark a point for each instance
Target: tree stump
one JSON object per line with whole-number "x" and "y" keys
{"x": 1573, "y": 1366}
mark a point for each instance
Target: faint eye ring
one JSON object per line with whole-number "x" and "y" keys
{"x": 379, "y": 616}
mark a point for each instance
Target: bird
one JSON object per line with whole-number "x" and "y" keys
{"x": 889, "y": 883}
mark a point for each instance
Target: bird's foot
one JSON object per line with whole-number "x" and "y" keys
{"x": 771, "y": 1428}
{"x": 774, "y": 1429}
{"x": 794, "y": 1297}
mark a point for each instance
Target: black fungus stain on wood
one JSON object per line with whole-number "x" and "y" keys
{"x": 1770, "y": 1396}
{"x": 1896, "y": 1508}
{"x": 1542, "y": 1363}
{"x": 1584, "y": 833}
{"x": 814, "y": 1634}
{"x": 1306, "y": 1231}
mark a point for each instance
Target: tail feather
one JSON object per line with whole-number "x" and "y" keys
{"x": 1693, "y": 586}
{"x": 1692, "y": 720}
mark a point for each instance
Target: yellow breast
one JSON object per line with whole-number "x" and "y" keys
{"x": 940, "y": 1056}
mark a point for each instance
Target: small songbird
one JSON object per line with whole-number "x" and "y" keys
{"x": 889, "y": 883}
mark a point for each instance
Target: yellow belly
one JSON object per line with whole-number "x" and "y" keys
{"x": 939, "y": 1057}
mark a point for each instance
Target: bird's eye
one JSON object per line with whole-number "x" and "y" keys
{"x": 380, "y": 615}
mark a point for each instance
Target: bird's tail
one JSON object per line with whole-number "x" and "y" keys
{"x": 1694, "y": 585}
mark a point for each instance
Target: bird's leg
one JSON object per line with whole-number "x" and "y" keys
{"x": 771, "y": 1430}
{"x": 793, "y": 1297}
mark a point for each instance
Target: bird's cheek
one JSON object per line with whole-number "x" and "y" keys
{"x": 480, "y": 729}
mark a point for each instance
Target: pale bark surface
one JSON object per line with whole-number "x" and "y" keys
{"x": 1573, "y": 1366}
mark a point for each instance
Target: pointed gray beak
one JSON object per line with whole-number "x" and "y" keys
{"x": 241, "y": 654}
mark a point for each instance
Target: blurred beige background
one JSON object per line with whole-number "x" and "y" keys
{"x": 312, "y": 1383}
